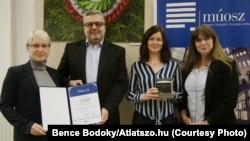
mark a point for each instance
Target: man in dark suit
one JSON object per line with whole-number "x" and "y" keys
{"x": 20, "y": 101}
{"x": 96, "y": 60}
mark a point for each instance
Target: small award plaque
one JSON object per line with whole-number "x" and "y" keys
{"x": 165, "y": 87}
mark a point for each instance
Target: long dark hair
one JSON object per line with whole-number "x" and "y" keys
{"x": 165, "y": 51}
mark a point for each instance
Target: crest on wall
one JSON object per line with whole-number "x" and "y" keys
{"x": 124, "y": 19}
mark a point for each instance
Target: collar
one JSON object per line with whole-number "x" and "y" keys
{"x": 99, "y": 44}
{"x": 37, "y": 65}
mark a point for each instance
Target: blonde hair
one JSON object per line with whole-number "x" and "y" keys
{"x": 38, "y": 35}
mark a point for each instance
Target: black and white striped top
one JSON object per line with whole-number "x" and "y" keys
{"x": 142, "y": 77}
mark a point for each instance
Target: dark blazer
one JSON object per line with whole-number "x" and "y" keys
{"x": 221, "y": 93}
{"x": 20, "y": 101}
{"x": 112, "y": 77}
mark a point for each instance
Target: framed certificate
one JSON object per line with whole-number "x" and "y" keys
{"x": 165, "y": 87}
{"x": 78, "y": 105}
{"x": 84, "y": 104}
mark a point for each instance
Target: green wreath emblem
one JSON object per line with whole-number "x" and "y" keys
{"x": 112, "y": 9}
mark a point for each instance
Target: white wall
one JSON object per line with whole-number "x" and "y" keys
{"x": 6, "y": 36}
{"x": 18, "y": 18}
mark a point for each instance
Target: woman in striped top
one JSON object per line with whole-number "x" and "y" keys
{"x": 155, "y": 62}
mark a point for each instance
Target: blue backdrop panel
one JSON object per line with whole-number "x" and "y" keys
{"x": 230, "y": 19}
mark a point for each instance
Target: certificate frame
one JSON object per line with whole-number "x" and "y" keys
{"x": 78, "y": 105}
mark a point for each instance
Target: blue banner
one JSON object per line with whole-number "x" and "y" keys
{"x": 230, "y": 19}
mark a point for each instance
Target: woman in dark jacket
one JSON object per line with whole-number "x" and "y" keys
{"x": 210, "y": 81}
{"x": 20, "y": 101}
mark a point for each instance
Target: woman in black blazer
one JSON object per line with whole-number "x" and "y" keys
{"x": 20, "y": 101}
{"x": 210, "y": 81}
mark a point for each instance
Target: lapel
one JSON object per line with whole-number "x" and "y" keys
{"x": 82, "y": 48}
{"x": 103, "y": 57}
{"x": 211, "y": 76}
{"x": 54, "y": 76}
{"x": 29, "y": 74}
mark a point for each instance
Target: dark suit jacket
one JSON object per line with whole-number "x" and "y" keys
{"x": 221, "y": 94}
{"x": 20, "y": 101}
{"x": 112, "y": 77}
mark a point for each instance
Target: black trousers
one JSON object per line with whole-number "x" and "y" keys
{"x": 139, "y": 119}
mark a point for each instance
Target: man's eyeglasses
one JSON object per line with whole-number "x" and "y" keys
{"x": 199, "y": 40}
{"x": 90, "y": 24}
{"x": 37, "y": 46}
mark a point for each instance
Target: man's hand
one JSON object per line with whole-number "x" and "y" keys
{"x": 37, "y": 130}
{"x": 105, "y": 115}
{"x": 75, "y": 82}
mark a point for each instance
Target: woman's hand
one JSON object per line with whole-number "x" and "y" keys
{"x": 151, "y": 94}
